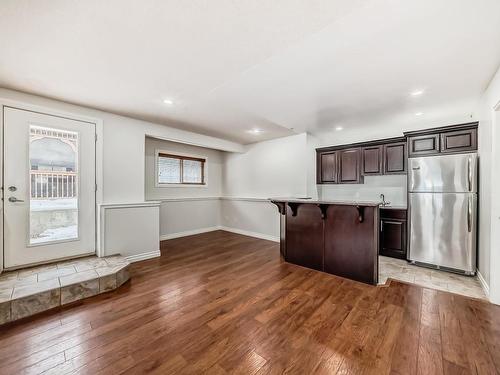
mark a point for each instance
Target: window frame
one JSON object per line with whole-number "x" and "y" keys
{"x": 181, "y": 157}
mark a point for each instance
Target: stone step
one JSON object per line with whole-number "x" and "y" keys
{"x": 32, "y": 290}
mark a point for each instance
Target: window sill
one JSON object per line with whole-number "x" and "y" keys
{"x": 181, "y": 185}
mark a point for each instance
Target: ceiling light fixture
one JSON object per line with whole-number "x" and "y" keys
{"x": 419, "y": 114}
{"x": 255, "y": 131}
{"x": 417, "y": 92}
{"x": 168, "y": 102}
{"x": 339, "y": 128}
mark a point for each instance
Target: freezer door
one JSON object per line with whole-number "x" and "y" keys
{"x": 443, "y": 229}
{"x": 447, "y": 173}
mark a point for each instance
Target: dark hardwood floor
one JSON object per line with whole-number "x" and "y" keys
{"x": 222, "y": 303}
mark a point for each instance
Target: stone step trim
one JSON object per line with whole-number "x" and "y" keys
{"x": 30, "y": 291}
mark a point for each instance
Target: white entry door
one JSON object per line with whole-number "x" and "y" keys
{"x": 48, "y": 187}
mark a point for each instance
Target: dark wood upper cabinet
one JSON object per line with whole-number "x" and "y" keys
{"x": 447, "y": 139}
{"x": 349, "y": 163}
{"x": 423, "y": 145}
{"x": 459, "y": 141}
{"x": 395, "y": 158}
{"x": 371, "y": 160}
{"x": 339, "y": 167}
{"x": 327, "y": 168}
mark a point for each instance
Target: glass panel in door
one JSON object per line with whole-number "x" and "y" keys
{"x": 53, "y": 177}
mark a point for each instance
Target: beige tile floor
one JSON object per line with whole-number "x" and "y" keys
{"x": 399, "y": 269}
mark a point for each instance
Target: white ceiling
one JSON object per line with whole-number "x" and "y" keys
{"x": 231, "y": 66}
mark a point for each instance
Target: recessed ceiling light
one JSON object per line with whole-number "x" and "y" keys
{"x": 417, "y": 92}
{"x": 339, "y": 128}
{"x": 255, "y": 131}
{"x": 419, "y": 113}
{"x": 168, "y": 102}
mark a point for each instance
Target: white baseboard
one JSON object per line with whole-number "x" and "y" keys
{"x": 143, "y": 256}
{"x": 164, "y": 237}
{"x": 485, "y": 286}
{"x": 251, "y": 234}
{"x": 227, "y": 229}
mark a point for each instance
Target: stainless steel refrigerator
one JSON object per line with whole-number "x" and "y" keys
{"x": 442, "y": 202}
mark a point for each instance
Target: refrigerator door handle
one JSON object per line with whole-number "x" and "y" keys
{"x": 469, "y": 215}
{"x": 469, "y": 170}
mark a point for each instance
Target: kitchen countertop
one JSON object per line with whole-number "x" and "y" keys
{"x": 341, "y": 202}
{"x": 320, "y": 201}
{"x": 395, "y": 207}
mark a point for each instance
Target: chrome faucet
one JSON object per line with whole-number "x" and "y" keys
{"x": 384, "y": 203}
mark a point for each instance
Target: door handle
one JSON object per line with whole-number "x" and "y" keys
{"x": 14, "y": 200}
{"x": 469, "y": 176}
{"x": 469, "y": 215}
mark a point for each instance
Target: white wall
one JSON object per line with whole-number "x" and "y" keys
{"x": 188, "y": 209}
{"x": 267, "y": 169}
{"x": 484, "y": 235}
{"x": 121, "y": 177}
{"x": 125, "y": 228}
{"x": 275, "y": 168}
{"x": 495, "y": 214}
{"x": 255, "y": 217}
{"x": 392, "y": 186}
{"x": 183, "y": 217}
{"x": 489, "y": 148}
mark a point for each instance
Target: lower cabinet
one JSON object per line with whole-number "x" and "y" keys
{"x": 350, "y": 242}
{"x": 337, "y": 239}
{"x": 393, "y": 227}
{"x": 304, "y": 236}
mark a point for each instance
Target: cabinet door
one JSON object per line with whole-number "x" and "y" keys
{"x": 327, "y": 168}
{"x": 372, "y": 160}
{"x": 304, "y": 237}
{"x": 393, "y": 238}
{"x": 459, "y": 141}
{"x": 349, "y": 166}
{"x": 350, "y": 245}
{"x": 395, "y": 159}
{"x": 423, "y": 145}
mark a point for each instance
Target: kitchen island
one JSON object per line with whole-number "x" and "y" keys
{"x": 337, "y": 237}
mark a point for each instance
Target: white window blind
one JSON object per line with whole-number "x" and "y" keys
{"x": 192, "y": 171}
{"x": 174, "y": 169}
{"x": 169, "y": 170}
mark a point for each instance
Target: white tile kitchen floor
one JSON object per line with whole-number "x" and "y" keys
{"x": 401, "y": 270}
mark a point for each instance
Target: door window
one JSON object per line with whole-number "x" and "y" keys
{"x": 53, "y": 176}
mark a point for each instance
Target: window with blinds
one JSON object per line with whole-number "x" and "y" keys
{"x": 176, "y": 169}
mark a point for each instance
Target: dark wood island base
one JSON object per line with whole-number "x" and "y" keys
{"x": 340, "y": 238}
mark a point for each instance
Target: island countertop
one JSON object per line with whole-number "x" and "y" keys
{"x": 328, "y": 201}
{"x": 337, "y": 237}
